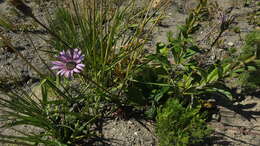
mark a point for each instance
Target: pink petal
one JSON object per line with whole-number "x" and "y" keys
{"x": 71, "y": 73}
{"x": 64, "y": 58}
{"x": 62, "y": 53}
{"x": 80, "y": 66}
{"x": 78, "y": 61}
{"x": 59, "y": 72}
{"x": 62, "y": 73}
{"x": 81, "y": 57}
{"x": 67, "y": 74}
{"x": 57, "y": 63}
{"x": 76, "y": 70}
{"x": 76, "y": 50}
{"x": 57, "y": 67}
{"x": 69, "y": 54}
{"x": 74, "y": 55}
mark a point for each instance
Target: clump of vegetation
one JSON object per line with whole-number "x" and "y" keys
{"x": 179, "y": 125}
{"x": 250, "y": 56}
{"x": 251, "y": 47}
{"x": 96, "y": 45}
{"x": 173, "y": 72}
{"x": 99, "y": 67}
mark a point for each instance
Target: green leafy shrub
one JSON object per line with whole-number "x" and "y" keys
{"x": 249, "y": 59}
{"x": 112, "y": 36}
{"x": 252, "y": 46}
{"x": 180, "y": 126}
{"x": 173, "y": 71}
{"x": 105, "y": 38}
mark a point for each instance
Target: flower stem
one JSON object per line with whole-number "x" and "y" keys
{"x": 27, "y": 11}
{"x": 113, "y": 97}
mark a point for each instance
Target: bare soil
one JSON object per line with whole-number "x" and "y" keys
{"x": 239, "y": 123}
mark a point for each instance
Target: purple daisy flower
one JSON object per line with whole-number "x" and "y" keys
{"x": 69, "y": 62}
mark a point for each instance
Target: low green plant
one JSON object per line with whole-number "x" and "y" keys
{"x": 178, "y": 125}
{"x": 247, "y": 3}
{"x": 60, "y": 120}
{"x": 110, "y": 36}
{"x": 97, "y": 41}
{"x": 174, "y": 72}
{"x": 192, "y": 22}
{"x": 153, "y": 80}
{"x": 251, "y": 47}
{"x": 103, "y": 41}
{"x": 249, "y": 61}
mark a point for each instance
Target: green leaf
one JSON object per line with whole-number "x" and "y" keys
{"x": 151, "y": 112}
{"x": 187, "y": 81}
{"x": 164, "y": 51}
{"x": 6, "y": 23}
{"x": 161, "y": 93}
{"x": 220, "y": 70}
{"x": 150, "y": 83}
{"x": 251, "y": 68}
{"x": 44, "y": 91}
{"x": 239, "y": 70}
{"x": 213, "y": 75}
{"x": 224, "y": 92}
{"x": 226, "y": 68}
{"x": 202, "y": 72}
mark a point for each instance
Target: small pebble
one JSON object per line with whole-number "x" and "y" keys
{"x": 130, "y": 122}
{"x": 135, "y": 133}
{"x": 231, "y": 44}
{"x": 239, "y": 91}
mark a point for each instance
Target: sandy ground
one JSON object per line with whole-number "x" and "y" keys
{"x": 240, "y": 121}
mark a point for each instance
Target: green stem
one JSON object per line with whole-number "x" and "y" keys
{"x": 114, "y": 98}
{"x": 215, "y": 41}
{"x": 51, "y": 32}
